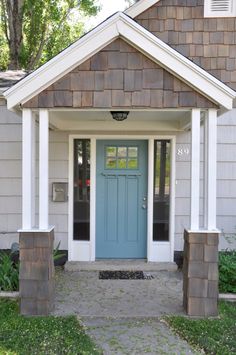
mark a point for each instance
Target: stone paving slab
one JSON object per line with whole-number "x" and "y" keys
{"x": 82, "y": 293}
{"x": 129, "y": 336}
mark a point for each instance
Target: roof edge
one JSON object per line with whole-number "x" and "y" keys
{"x": 139, "y": 7}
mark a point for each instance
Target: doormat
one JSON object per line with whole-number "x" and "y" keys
{"x": 124, "y": 275}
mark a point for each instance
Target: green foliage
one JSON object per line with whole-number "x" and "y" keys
{"x": 215, "y": 336}
{"x": 56, "y": 253}
{"x": 9, "y": 273}
{"x": 41, "y": 335}
{"x": 227, "y": 271}
{"x": 49, "y": 26}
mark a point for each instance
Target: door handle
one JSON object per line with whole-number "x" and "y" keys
{"x": 144, "y": 206}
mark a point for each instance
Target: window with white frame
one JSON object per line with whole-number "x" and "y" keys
{"x": 219, "y": 8}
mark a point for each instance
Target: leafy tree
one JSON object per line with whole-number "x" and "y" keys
{"x": 33, "y": 31}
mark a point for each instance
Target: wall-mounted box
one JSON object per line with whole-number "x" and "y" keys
{"x": 60, "y": 191}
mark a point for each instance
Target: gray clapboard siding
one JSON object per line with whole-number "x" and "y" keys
{"x": 11, "y": 151}
{"x": 10, "y": 187}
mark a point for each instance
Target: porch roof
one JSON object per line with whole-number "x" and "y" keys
{"x": 120, "y": 25}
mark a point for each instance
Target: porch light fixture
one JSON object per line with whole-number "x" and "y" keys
{"x": 119, "y": 115}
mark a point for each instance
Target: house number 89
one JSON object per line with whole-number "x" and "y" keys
{"x": 182, "y": 151}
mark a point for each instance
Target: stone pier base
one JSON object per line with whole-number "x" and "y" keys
{"x": 200, "y": 273}
{"x": 36, "y": 272}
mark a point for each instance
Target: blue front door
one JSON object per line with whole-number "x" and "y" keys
{"x": 121, "y": 199}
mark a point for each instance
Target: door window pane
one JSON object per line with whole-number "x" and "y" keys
{"x": 81, "y": 189}
{"x": 161, "y": 202}
{"x": 121, "y": 157}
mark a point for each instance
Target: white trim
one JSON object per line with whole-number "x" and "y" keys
{"x": 220, "y": 10}
{"x": 93, "y": 198}
{"x": 172, "y": 198}
{"x": 28, "y": 169}
{"x": 33, "y": 169}
{"x": 36, "y": 230}
{"x": 210, "y": 213}
{"x": 84, "y": 250}
{"x": 70, "y": 197}
{"x": 150, "y": 198}
{"x": 195, "y": 168}
{"x": 43, "y": 168}
{"x": 123, "y": 26}
{"x": 139, "y": 7}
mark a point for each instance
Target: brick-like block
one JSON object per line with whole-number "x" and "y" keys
{"x": 133, "y": 80}
{"x": 213, "y": 273}
{"x": 141, "y": 98}
{"x": 63, "y": 98}
{"x": 28, "y": 307}
{"x": 99, "y": 81}
{"x": 196, "y": 252}
{"x": 63, "y": 83}
{"x": 153, "y": 78}
{"x": 77, "y": 99}
{"x": 117, "y": 60}
{"x": 99, "y": 61}
{"x": 26, "y": 240}
{"x": 121, "y": 98}
{"x": 114, "y": 79}
{"x": 135, "y": 61}
{"x": 213, "y": 289}
{"x": 87, "y": 99}
{"x": 196, "y": 307}
{"x": 197, "y": 287}
{"x": 82, "y": 81}
{"x": 102, "y": 99}
{"x": 211, "y": 253}
{"x": 198, "y": 269}
{"x": 213, "y": 239}
{"x": 34, "y": 270}
{"x": 211, "y": 307}
{"x": 46, "y": 99}
{"x": 196, "y": 238}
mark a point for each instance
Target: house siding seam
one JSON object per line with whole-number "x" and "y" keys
{"x": 119, "y": 76}
{"x": 208, "y": 42}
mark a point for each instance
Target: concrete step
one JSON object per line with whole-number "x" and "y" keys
{"x": 120, "y": 265}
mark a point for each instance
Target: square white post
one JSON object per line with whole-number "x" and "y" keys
{"x": 210, "y": 169}
{"x": 195, "y": 168}
{"x": 43, "y": 168}
{"x": 28, "y": 169}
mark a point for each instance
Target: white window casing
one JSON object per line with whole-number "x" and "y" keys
{"x": 219, "y": 8}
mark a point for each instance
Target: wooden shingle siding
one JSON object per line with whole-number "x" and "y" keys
{"x": 208, "y": 42}
{"x": 119, "y": 76}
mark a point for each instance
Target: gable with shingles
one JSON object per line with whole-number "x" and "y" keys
{"x": 119, "y": 76}
{"x": 208, "y": 42}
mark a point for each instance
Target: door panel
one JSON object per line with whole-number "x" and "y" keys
{"x": 121, "y": 217}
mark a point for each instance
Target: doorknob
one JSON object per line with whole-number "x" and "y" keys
{"x": 144, "y": 206}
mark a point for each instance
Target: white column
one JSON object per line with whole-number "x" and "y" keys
{"x": 43, "y": 168}
{"x": 28, "y": 169}
{"x": 195, "y": 168}
{"x": 210, "y": 169}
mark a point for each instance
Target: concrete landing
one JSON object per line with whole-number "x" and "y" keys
{"x": 120, "y": 265}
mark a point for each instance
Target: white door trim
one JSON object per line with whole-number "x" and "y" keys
{"x": 85, "y": 250}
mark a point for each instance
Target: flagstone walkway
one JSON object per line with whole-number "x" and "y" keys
{"x": 124, "y": 316}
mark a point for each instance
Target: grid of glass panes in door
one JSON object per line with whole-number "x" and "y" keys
{"x": 121, "y": 157}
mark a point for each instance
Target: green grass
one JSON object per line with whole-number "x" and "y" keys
{"x": 41, "y": 335}
{"x": 216, "y": 336}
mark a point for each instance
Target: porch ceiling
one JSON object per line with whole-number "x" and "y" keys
{"x": 102, "y": 120}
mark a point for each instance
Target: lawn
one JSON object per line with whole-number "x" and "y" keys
{"x": 41, "y": 335}
{"x": 215, "y": 336}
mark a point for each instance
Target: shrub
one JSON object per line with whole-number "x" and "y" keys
{"x": 227, "y": 271}
{"x": 9, "y": 273}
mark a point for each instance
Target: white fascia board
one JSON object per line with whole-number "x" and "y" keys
{"x": 140, "y": 7}
{"x": 63, "y": 63}
{"x": 176, "y": 63}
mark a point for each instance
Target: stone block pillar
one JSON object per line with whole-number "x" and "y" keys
{"x": 36, "y": 272}
{"x": 200, "y": 273}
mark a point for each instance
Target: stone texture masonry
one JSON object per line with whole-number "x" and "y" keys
{"x": 200, "y": 274}
{"x": 119, "y": 77}
{"x": 36, "y": 273}
{"x": 208, "y": 42}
